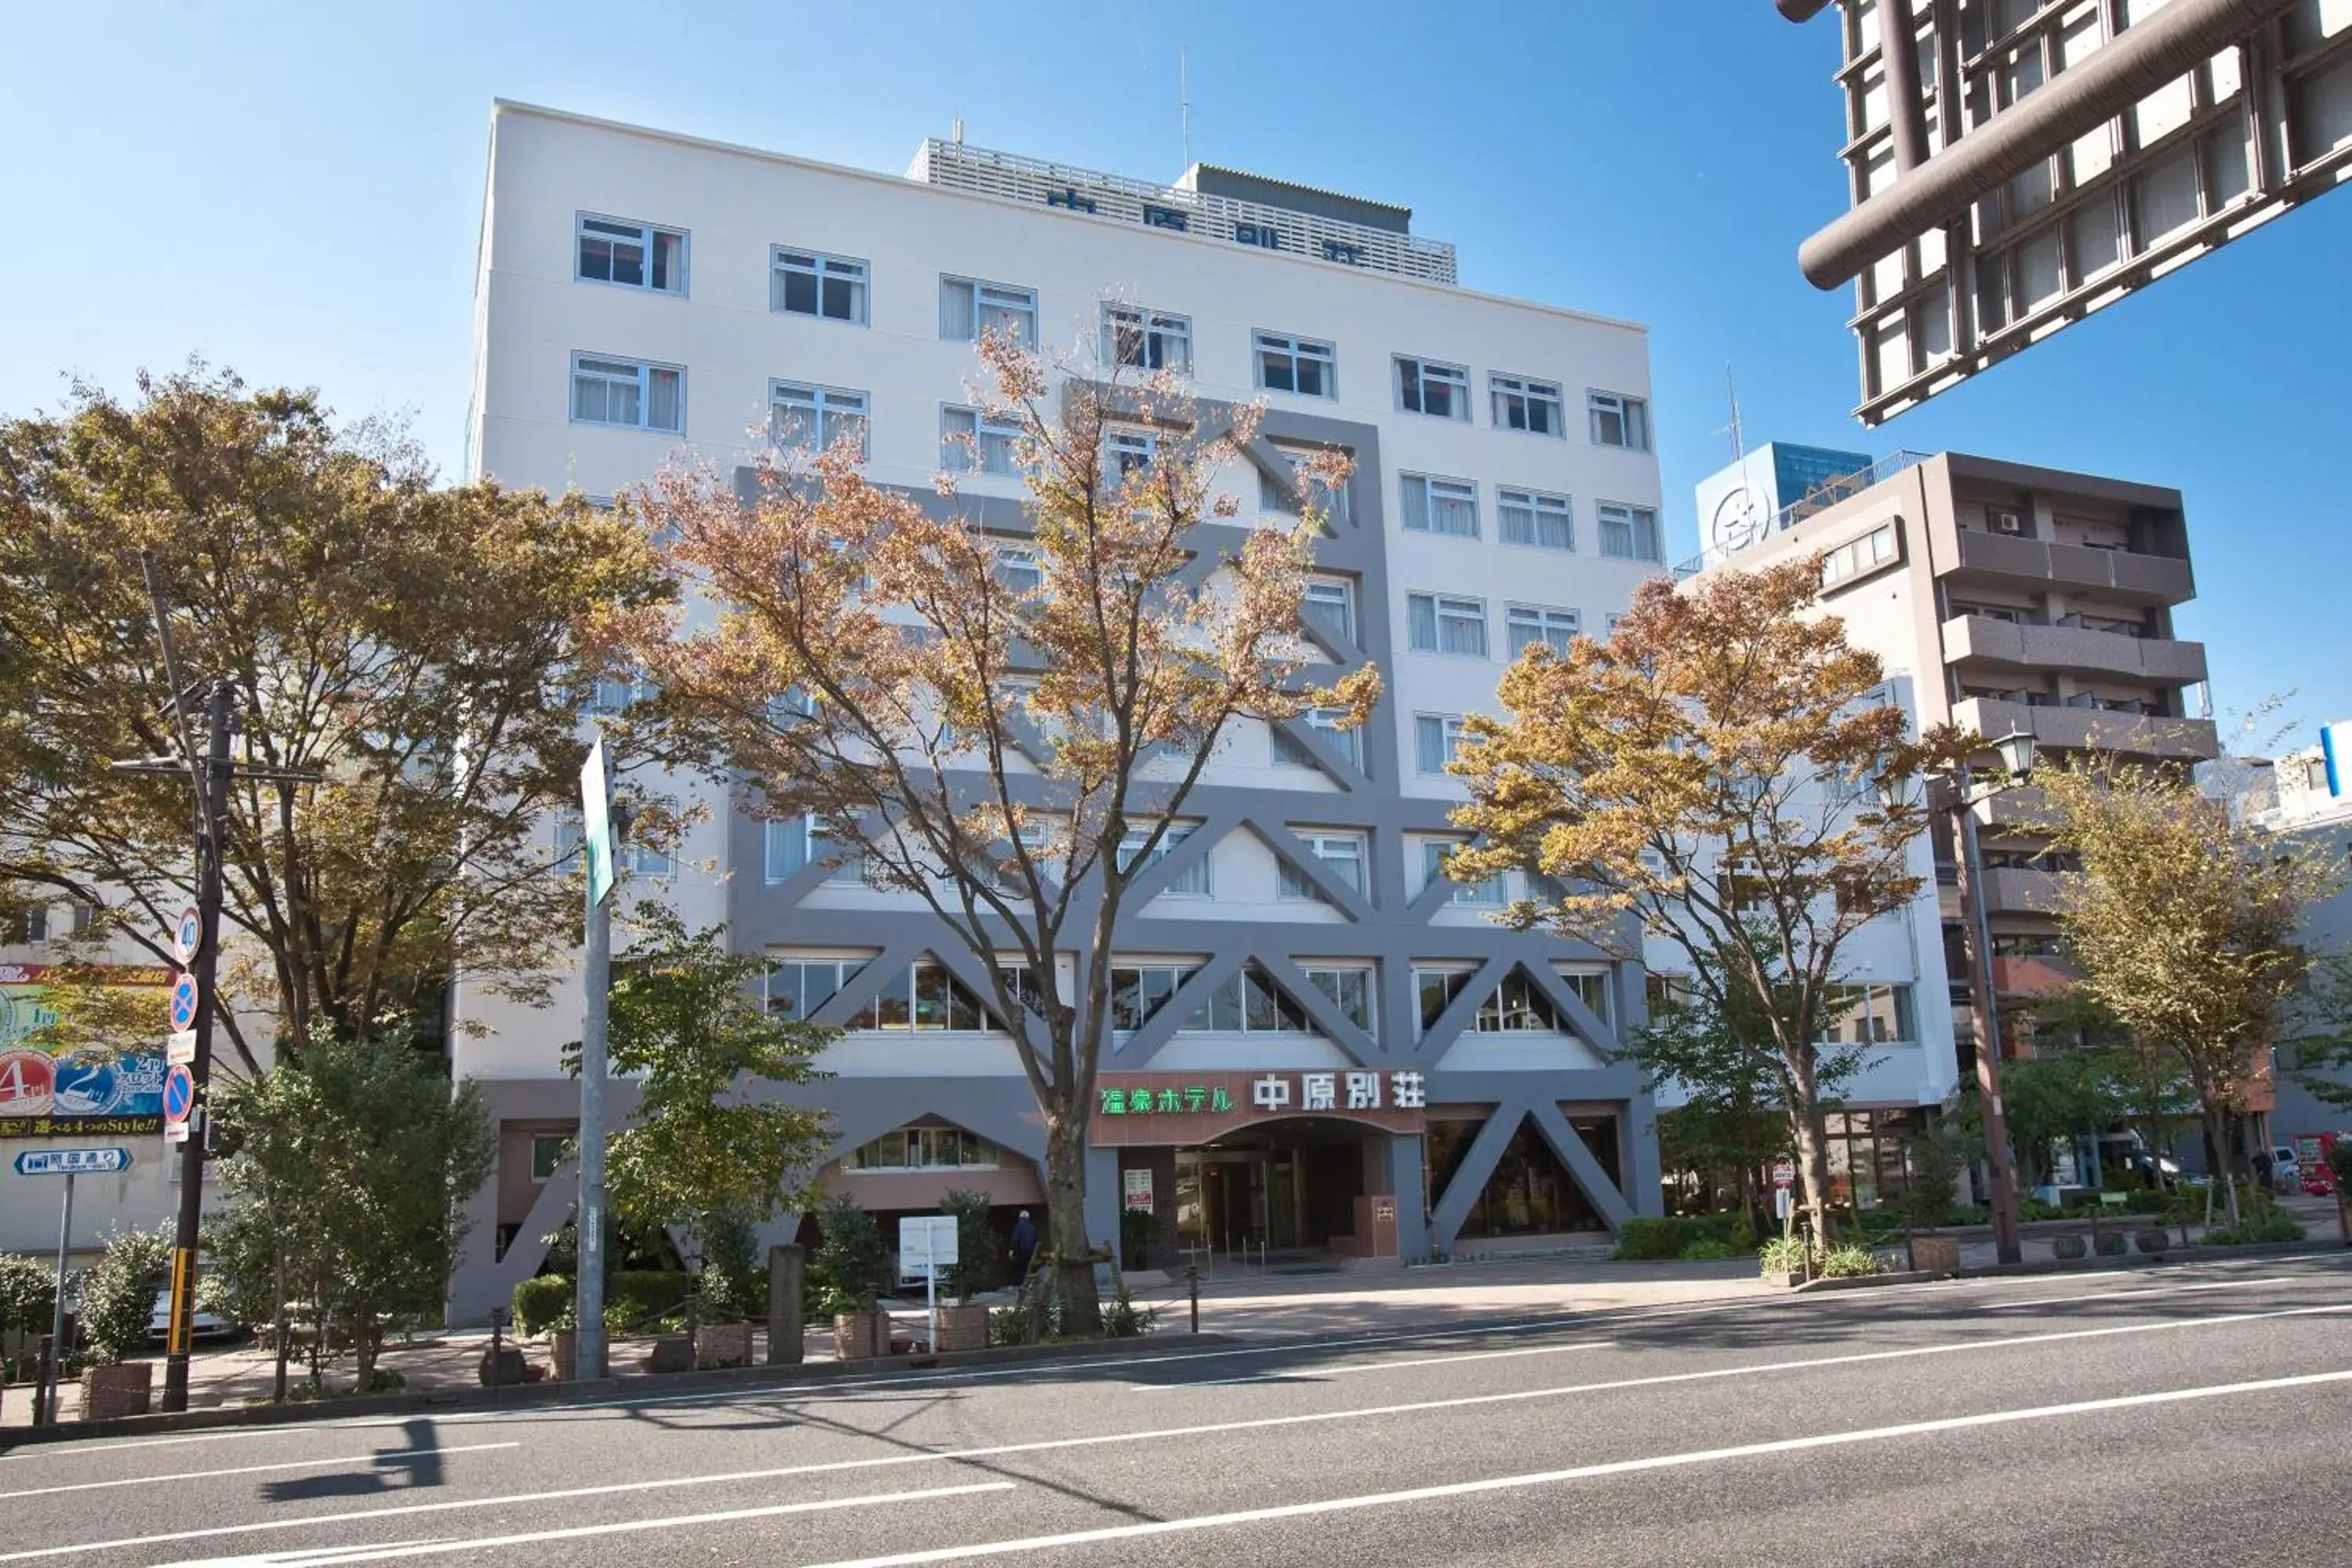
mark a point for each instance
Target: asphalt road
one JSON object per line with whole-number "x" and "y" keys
{"x": 2198, "y": 1414}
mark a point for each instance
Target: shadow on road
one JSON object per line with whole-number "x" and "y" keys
{"x": 413, "y": 1461}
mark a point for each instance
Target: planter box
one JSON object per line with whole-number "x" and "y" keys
{"x": 2067, "y": 1248}
{"x": 1936, "y": 1255}
{"x": 671, "y": 1353}
{"x": 2110, "y": 1245}
{"x": 963, "y": 1329}
{"x": 123, "y": 1389}
{"x": 563, "y": 1350}
{"x": 2153, "y": 1239}
{"x": 723, "y": 1344}
{"x": 861, "y": 1335}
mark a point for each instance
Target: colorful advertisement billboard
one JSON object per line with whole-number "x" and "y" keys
{"x": 50, "y": 1090}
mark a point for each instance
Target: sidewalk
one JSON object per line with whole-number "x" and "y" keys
{"x": 1338, "y": 1304}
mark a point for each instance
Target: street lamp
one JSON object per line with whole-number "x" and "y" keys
{"x": 1964, "y": 791}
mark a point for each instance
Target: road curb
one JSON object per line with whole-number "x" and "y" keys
{"x": 2078, "y": 1265}
{"x": 647, "y": 1386}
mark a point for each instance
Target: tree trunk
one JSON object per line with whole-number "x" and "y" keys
{"x": 1812, "y": 1143}
{"x": 1065, "y": 1217}
{"x": 2217, "y": 1134}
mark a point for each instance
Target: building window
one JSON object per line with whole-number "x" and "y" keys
{"x": 616, "y": 695}
{"x": 547, "y": 1154}
{"x": 1192, "y": 882}
{"x": 1591, "y": 988}
{"x": 1128, "y": 453}
{"x": 1348, "y": 743}
{"x": 1017, "y": 569}
{"x": 1869, "y": 1016}
{"x": 1297, "y": 364}
{"x": 923, "y": 1149}
{"x": 632, "y": 254}
{"x": 1436, "y": 989}
{"x": 27, "y": 924}
{"x": 1441, "y": 506}
{"x": 1140, "y": 990}
{"x": 1857, "y": 556}
{"x": 811, "y": 419}
{"x": 797, "y": 987}
{"x": 639, "y": 859}
{"x": 1534, "y": 517}
{"x": 1248, "y": 1003}
{"x": 627, "y": 393}
{"x": 1349, "y": 989}
{"x": 1436, "y": 740}
{"x": 1519, "y": 1005}
{"x": 1434, "y": 856}
{"x": 1629, "y": 532}
{"x": 1529, "y": 624}
{"x": 1440, "y": 623}
{"x": 969, "y": 308}
{"x": 924, "y": 995}
{"x": 1425, "y": 386}
{"x": 1273, "y": 495}
{"x": 1330, "y": 603}
{"x": 1536, "y": 406}
{"x": 966, "y": 436}
{"x": 1147, "y": 340}
{"x": 1619, "y": 420}
{"x": 810, "y": 283}
{"x": 1342, "y": 855}
{"x": 794, "y": 843}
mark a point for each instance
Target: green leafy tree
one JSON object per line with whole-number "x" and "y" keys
{"x": 975, "y": 1264}
{"x": 411, "y": 641}
{"x": 2185, "y": 922}
{"x": 27, "y": 1295}
{"x": 1935, "y": 1161}
{"x": 851, "y": 1257}
{"x": 117, "y": 1310}
{"x": 707, "y": 1147}
{"x": 2318, "y": 1050}
{"x": 350, "y": 1169}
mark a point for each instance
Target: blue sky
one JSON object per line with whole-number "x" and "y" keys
{"x": 293, "y": 191}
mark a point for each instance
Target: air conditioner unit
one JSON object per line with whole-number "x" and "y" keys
{"x": 2005, "y": 522}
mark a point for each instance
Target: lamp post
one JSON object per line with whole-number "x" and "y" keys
{"x": 1964, "y": 792}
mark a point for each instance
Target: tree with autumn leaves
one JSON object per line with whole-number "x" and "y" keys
{"x": 1723, "y": 776}
{"x": 985, "y": 729}
{"x": 411, "y": 642}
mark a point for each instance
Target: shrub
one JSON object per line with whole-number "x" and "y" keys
{"x": 2109, "y": 1244}
{"x": 118, "y": 1296}
{"x": 1848, "y": 1263}
{"x": 2276, "y": 1225}
{"x": 851, "y": 1259}
{"x": 975, "y": 1265}
{"x": 1781, "y": 1255}
{"x": 1702, "y": 1249}
{"x": 732, "y": 1287}
{"x": 1123, "y": 1320}
{"x": 541, "y": 1304}
{"x": 27, "y": 1295}
{"x": 1651, "y": 1240}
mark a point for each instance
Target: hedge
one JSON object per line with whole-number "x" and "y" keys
{"x": 644, "y": 1295}
{"x": 1653, "y": 1240}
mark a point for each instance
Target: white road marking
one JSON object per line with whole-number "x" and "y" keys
{"x": 256, "y": 1470}
{"x": 321, "y": 1559}
{"x": 1580, "y": 1473}
{"x": 2152, "y": 1290}
{"x": 1317, "y": 1372}
{"x": 812, "y": 1392}
{"x": 948, "y": 1456}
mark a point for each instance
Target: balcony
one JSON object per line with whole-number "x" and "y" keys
{"x": 2090, "y": 729}
{"x": 1992, "y": 644}
{"x": 2034, "y": 565}
{"x": 2031, "y": 976}
{"x": 2017, "y": 890}
{"x": 2022, "y": 809}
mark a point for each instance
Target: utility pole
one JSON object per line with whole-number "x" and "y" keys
{"x": 597, "y": 845}
{"x": 220, "y": 723}
{"x": 2001, "y": 1176}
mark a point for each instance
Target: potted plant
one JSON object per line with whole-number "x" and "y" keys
{"x": 1936, "y": 1160}
{"x": 2068, "y": 1248}
{"x": 964, "y": 1325}
{"x": 849, "y": 1265}
{"x": 119, "y": 1297}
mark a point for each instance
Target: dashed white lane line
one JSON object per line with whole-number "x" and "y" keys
{"x": 178, "y": 1476}
{"x": 1582, "y": 1472}
{"x": 945, "y": 1455}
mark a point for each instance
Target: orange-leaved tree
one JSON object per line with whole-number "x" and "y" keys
{"x": 1725, "y": 777}
{"x": 1000, "y": 724}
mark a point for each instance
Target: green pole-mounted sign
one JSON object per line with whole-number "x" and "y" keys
{"x": 596, "y": 826}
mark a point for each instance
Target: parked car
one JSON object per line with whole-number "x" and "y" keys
{"x": 206, "y": 1326}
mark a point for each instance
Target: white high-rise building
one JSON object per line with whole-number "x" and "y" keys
{"x": 644, "y": 295}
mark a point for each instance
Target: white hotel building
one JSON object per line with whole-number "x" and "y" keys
{"x": 641, "y": 293}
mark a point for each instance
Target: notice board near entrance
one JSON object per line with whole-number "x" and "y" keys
{"x": 1137, "y": 1109}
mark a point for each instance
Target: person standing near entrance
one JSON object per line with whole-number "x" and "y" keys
{"x": 1025, "y": 1247}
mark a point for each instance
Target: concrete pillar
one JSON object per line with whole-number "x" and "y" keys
{"x": 787, "y": 1268}
{"x": 1638, "y": 1157}
{"x": 1102, "y": 1205}
{"x": 1396, "y": 1161}
{"x": 474, "y": 1287}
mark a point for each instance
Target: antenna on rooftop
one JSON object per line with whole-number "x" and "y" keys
{"x": 1184, "y": 93}
{"x": 1739, "y": 438}
{"x": 959, "y": 129}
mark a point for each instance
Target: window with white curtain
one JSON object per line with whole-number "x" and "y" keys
{"x": 811, "y": 419}
{"x": 1325, "y": 721}
{"x": 1436, "y": 739}
{"x": 1444, "y": 623}
{"x": 1434, "y": 856}
{"x": 1342, "y": 854}
{"x": 1536, "y": 623}
{"x": 1330, "y": 603}
{"x": 1535, "y": 406}
{"x": 969, "y": 307}
{"x": 628, "y": 393}
{"x": 1619, "y": 420}
{"x": 1537, "y": 518}
{"x": 1434, "y": 505}
{"x": 1192, "y": 882}
{"x": 1147, "y": 340}
{"x": 973, "y": 444}
{"x": 1627, "y": 532}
